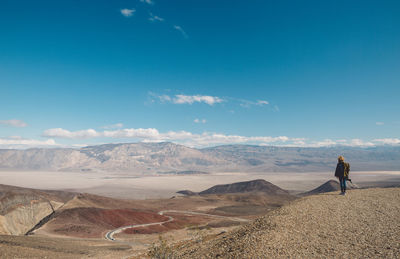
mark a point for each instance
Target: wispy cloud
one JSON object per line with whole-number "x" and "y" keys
{"x": 155, "y": 18}
{"x": 150, "y": 2}
{"x": 80, "y": 134}
{"x": 113, "y": 126}
{"x": 179, "y": 28}
{"x": 248, "y": 103}
{"x": 379, "y": 123}
{"x": 211, "y": 100}
{"x": 188, "y": 99}
{"x": 14, "y": 123}
{"x": 165, "y": 98}
{"x": 262, "y": 102}
{"x": 19, "y": 142}
{"x": 128, "y": 12}
{"x": 200, "y": 121}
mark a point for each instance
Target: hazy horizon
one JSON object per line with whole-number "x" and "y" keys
{"x": 344, "y": 146}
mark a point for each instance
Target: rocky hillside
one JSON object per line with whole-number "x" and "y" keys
{"x": 244, "y": 187}
{"x": 21, "y": 209}
{"x": 169, "y": 157}
{"x": 363, "y": 224}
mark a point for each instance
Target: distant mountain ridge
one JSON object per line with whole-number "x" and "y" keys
{"x": 144, "y": 158}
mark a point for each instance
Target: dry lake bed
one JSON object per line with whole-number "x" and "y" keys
{"x": 128, "y": 186}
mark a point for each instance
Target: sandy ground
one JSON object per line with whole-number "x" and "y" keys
{"x": 128, "y": 186}
{"x": 68, "y": 248}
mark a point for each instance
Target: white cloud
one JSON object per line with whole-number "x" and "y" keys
{"x": 21, "y": 143}
{"x": 165, "y": 98}
{"x": 190, "y": 99}
{"x": 153, "y": 135}
{"x": 62, "y": 133}
{"x": 179, "y": 28}
{"x": 388, "y": 141}
{"x": 127, "y": 12}
{"x": 340, "y": 142}
{"x": 113, "y": 126}
{"x": 147, "y": 1}
{"x": 210, "y": 100}
{"x": 91, "y": 133}
{"x": 379, "y": 123}
{"x": 140, "y": 133}
{"x": 262, "y": 102}
{"x": 208, "y": 138}
{"x": 248, "y": 103}
{"x": 324, "y": 143}
{"x": 200, "y": 121}
{"x": 154, "y": 18}
{"x": 14, "y": 123}
{"x": 359, "y": 143}
{"x": 302, "y": 142}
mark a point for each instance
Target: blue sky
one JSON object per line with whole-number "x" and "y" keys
{"x": 200, "y": 73}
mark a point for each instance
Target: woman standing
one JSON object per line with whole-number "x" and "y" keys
{"x": 342, "y": 172}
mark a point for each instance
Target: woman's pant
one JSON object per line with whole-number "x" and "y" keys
{"x": 342, "y": 181}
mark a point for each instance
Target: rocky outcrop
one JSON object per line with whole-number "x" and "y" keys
{"x": 21, "y": 209}
{"x": 23, "y": 218}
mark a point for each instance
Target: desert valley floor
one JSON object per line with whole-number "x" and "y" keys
{"x": 131, "y": 186}
{"x": 86, "y": 214}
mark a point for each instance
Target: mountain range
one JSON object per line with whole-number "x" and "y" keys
{"x": 164, "y": 157}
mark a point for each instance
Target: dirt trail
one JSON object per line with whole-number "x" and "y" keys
{"x": 363, "y": 224}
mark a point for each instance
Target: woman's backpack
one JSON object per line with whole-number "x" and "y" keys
{"x": 346, "y": 170}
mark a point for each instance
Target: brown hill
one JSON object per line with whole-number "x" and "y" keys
{"x": 244, "y": 187}
{"x": 21, "y": 209}
{"x": 93, "y": 222}
{"x": 88, "y": 215}
{"x": 363, "y": 224}
{"x": 25, "y": 210}
{"x": 187, "y": 192}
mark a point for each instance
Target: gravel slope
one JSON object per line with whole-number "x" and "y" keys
{"x": 363, "y": 224}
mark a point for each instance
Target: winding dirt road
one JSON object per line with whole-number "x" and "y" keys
{"x": 110, "y": 234}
